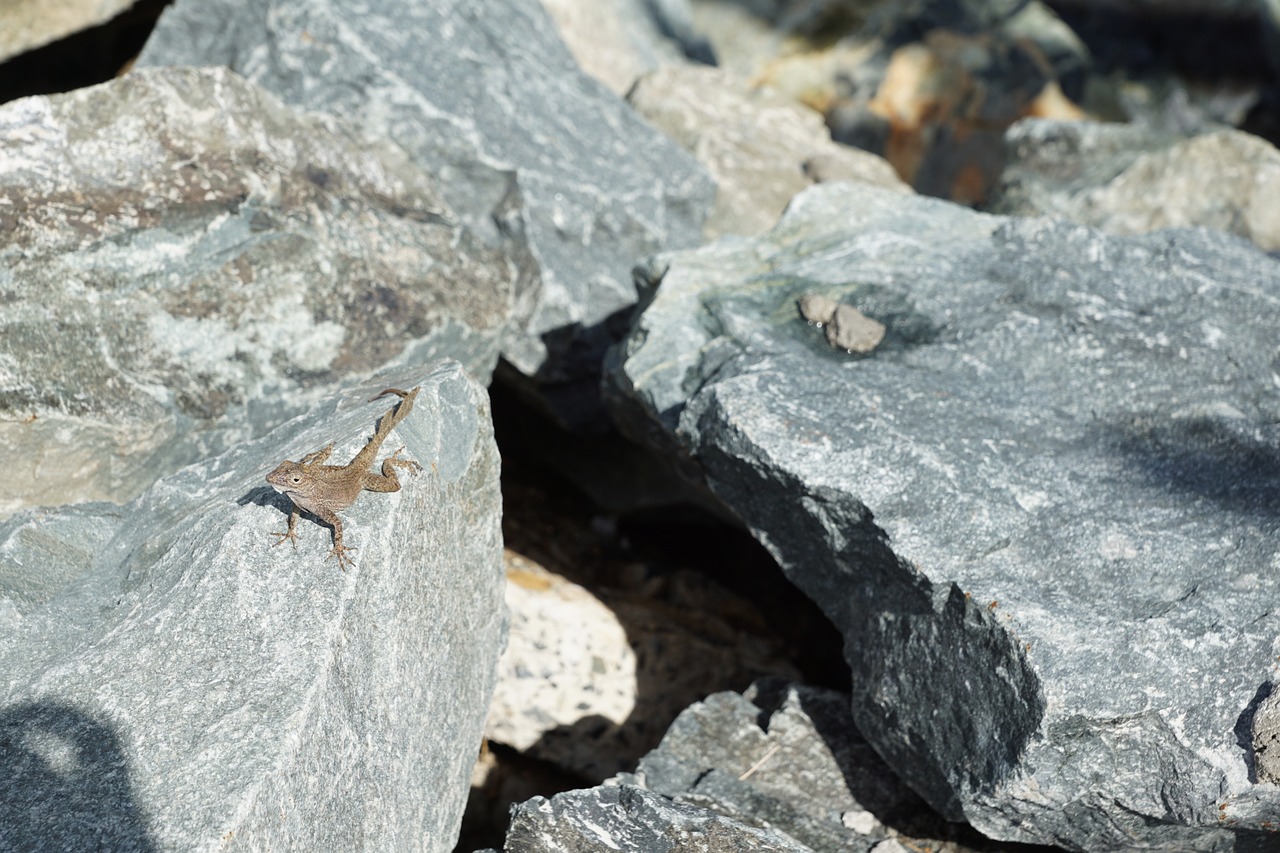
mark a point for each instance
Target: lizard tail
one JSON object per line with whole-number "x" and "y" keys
{"x": 385, "y": 391}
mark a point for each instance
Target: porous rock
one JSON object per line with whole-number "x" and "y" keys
{"x": 1266, "y": 738}
{"x": 1043, "y": 512}
{"x": 28, "y": 24}
{"x": 1128, "y": 179}
{"x": 171, "y": 681}
{"x": 594, "y": 699}
{"x": 757, "y": 144}
{"x": 487, "y": 98}
{"x": 173, "y": 284}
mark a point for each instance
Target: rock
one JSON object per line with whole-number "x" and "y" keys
{"x": 785, "y": 757}
{"x": 1127, "y": 179}
{"x": 488, "y": 99}
{"x": 757, "y": 144}
{"x": 1266, "y": 739}
{"x": 593, "y": 700}
{"x": 25, "y": 26}
{"x": 614, "y": 41}
{"x": 845, "y": 327}
{"x": 630, "y": 819}
{"x": 174, "y": 285}
{"x": 1042, "y": 512}
{"x": 170, "y": 681}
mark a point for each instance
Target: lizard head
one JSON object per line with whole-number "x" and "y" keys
{"x": 287, "y": 477}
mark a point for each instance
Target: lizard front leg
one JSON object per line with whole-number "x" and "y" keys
{"x": 291, "y": 533}
{"x": 339, "y": 550}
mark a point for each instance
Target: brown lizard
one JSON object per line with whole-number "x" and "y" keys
{"x": 322, "y": 489}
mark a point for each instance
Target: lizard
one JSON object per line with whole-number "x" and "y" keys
{"x": 322, "y": 489}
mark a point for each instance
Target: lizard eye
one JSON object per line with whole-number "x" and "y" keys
{"x": 295, "y": 478}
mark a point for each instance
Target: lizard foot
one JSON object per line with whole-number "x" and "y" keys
{"x": 409, "y": 464}
{"x": 290, "y": 535}
{"x": 340, "y": 552}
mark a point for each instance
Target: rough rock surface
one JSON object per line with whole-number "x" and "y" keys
{"x": 761, "y": 147}
{"x": 172, "y": 285}
{"x": 170, "y": 681}
{"x": 28, "y": 24}
{"x": 614, "y": 41}
{"x": 784, "y": 757}
{"x": 1266, "y": 738}
{"x": 1043, "y": 511}
{"x": 488, "y": 99}
{"x": 1127, "y": 180}
{"x": 594, "y": 699}
{"x": 631, "y": 819}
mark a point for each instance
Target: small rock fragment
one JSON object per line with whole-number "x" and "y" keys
{"x": 846, "y": 327}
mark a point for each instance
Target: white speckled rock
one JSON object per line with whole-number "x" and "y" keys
{"x": 171, "y": 681}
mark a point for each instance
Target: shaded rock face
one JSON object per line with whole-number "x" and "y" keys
{"x": 173, "y": 284}
{"x": 1128, "y": 180}
{"x": 169, "y": 680}
{"x": 489, "y": 100}
{"x": 1042, "y": 511}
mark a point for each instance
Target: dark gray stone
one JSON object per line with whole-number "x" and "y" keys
{"x": 631, "y": 820}
{"x": 171, "y": 681}
{"x": 785, "y": 757}
{"x": 172, "y": 284}
{"x": 1043, "y": 512}
{"x": 488, "y": 99}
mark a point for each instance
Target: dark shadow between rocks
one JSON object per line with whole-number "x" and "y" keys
{"x": 64, "y": 783}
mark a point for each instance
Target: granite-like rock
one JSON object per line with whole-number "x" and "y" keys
{"x": 487, "y": 98}
{"x": 1042, "y": 512}
{"x": 632, "y": 820}
{"x": 1128, "y": 179}
{"x": 173, "y": 284}
{"x": 171, "y": 681}
{"x": 757, "y": 144}
{"x": 28, "y": 24}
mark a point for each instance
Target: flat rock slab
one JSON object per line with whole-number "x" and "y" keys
{"x": 171, "y": 284}
{"x": 171, "y": 681}
{"x": 1043, "y": 511}
{"x": 486, "y": 97}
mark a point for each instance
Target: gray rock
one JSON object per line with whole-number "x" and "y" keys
{"x": 1266, "y": 738}
{"x": 170, "y": 681}
{"x": 27, "y": 25}
{"x": 173, "y": 285}
{"x": 631, "y": 820}
{"x": 757, "y": 144}
{"x": 1042, "y": 512}
{"x": 785, "y": 757}
{"x": 489, "y": 100}
{"x": 1128, "y": 179}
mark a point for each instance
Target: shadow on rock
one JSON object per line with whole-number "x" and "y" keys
{"x": 64, "y": 783}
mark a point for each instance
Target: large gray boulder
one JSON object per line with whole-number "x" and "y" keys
{"x": 171, "y": 681}
{"x": 174, "y": 284}
{"x": 1042, "y": 511}
{"x": 487, "y": 98}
